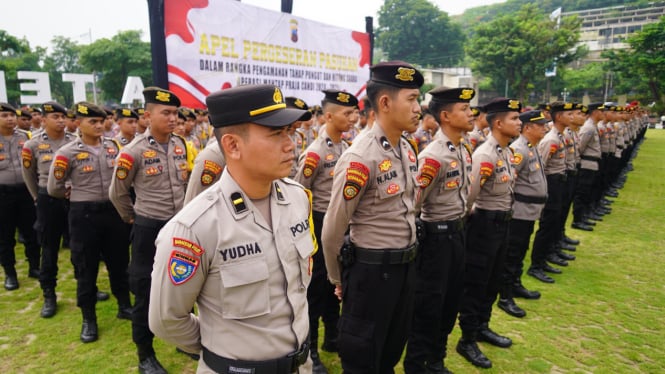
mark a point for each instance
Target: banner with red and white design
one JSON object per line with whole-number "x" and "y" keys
{"x": 217, "y": 44}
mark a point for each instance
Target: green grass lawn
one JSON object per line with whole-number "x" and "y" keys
{"x": 604, "y": 314}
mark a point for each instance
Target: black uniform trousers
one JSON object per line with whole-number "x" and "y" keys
{"x": 377, "y": 307}
{"x": 583, "y": 201}
{"x": 51, "y": 221}
{"x": 548, "y": 233}
{"x": 321, "y": 293}
{"x": 97, "y": 230}
{"x": 567, "y": 201}
{"x": 144, "y": 233}
{"x": 518, "y": 245}
{"x": 439, "y": 284}
{"x": 487, "y": 244}
{"x": 17, "y": 211}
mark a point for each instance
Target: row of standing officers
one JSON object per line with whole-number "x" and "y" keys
{"x": 245, "y": 249}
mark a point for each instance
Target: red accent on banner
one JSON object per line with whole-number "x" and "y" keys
{"x": 175, "y": 17}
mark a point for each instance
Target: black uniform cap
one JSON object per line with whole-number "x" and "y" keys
{"x": 156, "y": 95}
{"x": 4, "y": 107}
{"x": 23, "y": 113}
{"x": 126, "y": 113}
{"x": 260, "y": 104}
{"x": 501, "y": 105}
{"x": 53, "y": 107}
{"x": 533, "y": 116}
{"x": 85, "y": 109}
{"x": 339, "y": 97}
{"x": 396, "y": 73}
{"x": 595, "y": 106}
{"x": 294, "y": 102}
{"x": 444, "y": 94}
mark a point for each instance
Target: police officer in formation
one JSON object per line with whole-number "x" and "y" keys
{"x": 315, "y": 172}
{"x": 444, "y": 168}
{"x": 491, "y": 199}
{"x": 83, "y": 169}
{"x": 588, "y": 189}
{"x": 530, "y": 195}
{"x": 207, "y": 170}
{"x": 38, "y": 154}
{"x": 155, "y": 164}
{"x": 241, "y": 250}
{"x": 17, "y": 209}
{"x": 399, "y": 278}
{"x": 373, "y": 197}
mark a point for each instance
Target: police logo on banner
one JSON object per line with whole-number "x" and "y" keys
{"x": 182, "y": 267}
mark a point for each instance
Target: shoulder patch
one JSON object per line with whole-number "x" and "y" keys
{"x": 311, "y": 162}
{"x": 486, "y": 169}
{"x": 186, "y": 244}
{"x": 211, "y": 171}
{"x": 429, "y": 170}
{"x": 60, "y": 165}
{"x": 26, "y": 156}
{"x": 357, "y": 175}
{"x": 182, "y": 267}
{"x": 124, "y": 163}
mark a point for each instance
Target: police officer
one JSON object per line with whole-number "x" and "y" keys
{"x": 373, "y": 194}
{"x": 37, "y": 120}
{"x": 308, "y": 133}
{"x": 553, "y": 155}
{"x": 298, "y": 137}
{"x": 249, "y": 280}
{"x": 23, "y": 118}
{"x": 477, "y": 136}
{"x": 530, "y": 197}
{"x": 426, "y": 130}
{"x": 590, "y": 153}
{"x": 37, "y": 155}
{"x": 207, "y": 169}
{"x": 143, "y": 122}
{"x": 443, "y": 173}
{"x": 155, "y": 163}
{"x": 126, "y": 119}
{"x": 315, "y": 172}
{"x": 491, "y": 199}
{"x": 17, "y": 209}
{"x": 85, "y": 166}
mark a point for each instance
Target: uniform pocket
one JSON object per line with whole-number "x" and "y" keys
{"x": 305, "y": 246}
{"x": 245, "y": 289}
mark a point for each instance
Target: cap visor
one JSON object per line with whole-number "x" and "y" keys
{"x": 284, "y": 117}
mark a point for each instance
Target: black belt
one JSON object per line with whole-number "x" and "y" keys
{"x": 441, "y": 227}
{"x": 92, "y": 206}
{"x": 149, "y": 222}
{"x": 42, "y": 190}
{"x": 13, "y": 187}
{"x": 386, "y": 256}
{"x": 530, "y": 199}
{"x": 590, "y": 158}
{"x": 284, "y": 365}
{"x": 495, "y": 215}
{"x": 571, "y": 172}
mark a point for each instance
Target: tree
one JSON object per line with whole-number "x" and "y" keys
{"x": 418, "y": 32}
{"x": 587, "y": 80}
{"x": 517, "y": 48}
{"x": 648, "y": 56}
{"x": 117, "y": 58}
{"x": 63, "y": 59}
{"x": 16, "y": 55}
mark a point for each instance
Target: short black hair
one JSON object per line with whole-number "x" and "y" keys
{"x": 436, "y": 107}
{"x": 376, "y": 89}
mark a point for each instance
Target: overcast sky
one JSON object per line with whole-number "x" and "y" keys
{"x": 82, "y": 20}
